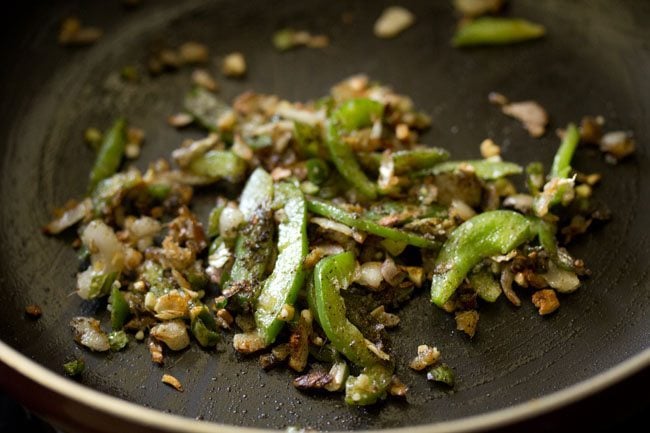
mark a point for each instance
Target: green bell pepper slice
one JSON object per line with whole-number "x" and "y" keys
{"x": 109, "y": 156}
{"x": 485, "y": 235}
{"x": 354, "y": 220}
{"x": 352, "y": 114}
{"x": 331, "y": 275}
{"x": 254, "y": 244}
{"x": 484, "y": 168}
{"x": 497, "y": 31}
{"x": 282, "y": 286}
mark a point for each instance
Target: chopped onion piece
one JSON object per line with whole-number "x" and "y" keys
{"x": 560, "y": 279}
{"x": 369, "y": 275}
{"x": 69, "y": 218}
{"x": 173, "y": 334}
{"x": 229, "y": 221}
{"x": 88, "y": 333}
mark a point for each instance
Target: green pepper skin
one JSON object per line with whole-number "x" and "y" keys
{"x": 560, "y": 171}
{"x": 352, "y": 114}
{"x": 117, "y": 340}
{"x": 317, "y": 171}
{"x": 357, "y": 113}
{"x": 254, "y": 244}
{"x": 353, "y": 220}
{"x": 74, "y": 368}
{"x": 406, "y": 160}
{"x": 101, "y": 284}
{"x": 485, "y": 286}
{"x": 109, "y": 156}
{"x": 484, "y": 169}
{"x": 497, "y": 31}
{"x": 562, "y": 161}
{"x": 258, "y": 192}
{"x": 119, "y": 309}
{"x": 204, "y": 328}
{"x": 331, "y": 275}
{"x": 219, "y": 164}
{"x": 485, "y": 235}
{"x": 284, "y": 283}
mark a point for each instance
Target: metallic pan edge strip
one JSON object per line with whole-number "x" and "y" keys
{"x": 148, "y": 417}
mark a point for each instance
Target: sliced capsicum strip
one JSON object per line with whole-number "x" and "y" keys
{"x": 332, "y": 275}
{"x": 558, "y": 180}
{"x": 219, "y": 164}
{"x": 254, "y": 244}
{"x": 497, "y": 31}
{"x": 484, "y": 168}
{"x": 485, "y": 235}
{"x": 353, "y": 220}
{"x": 282, "y": 286}
{"x": 405, "y": 161}
{"x": 109, "y": 156}
{"x": 352, "y": 114}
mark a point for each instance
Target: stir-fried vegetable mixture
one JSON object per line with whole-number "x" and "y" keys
{"x": 343, "y": 216}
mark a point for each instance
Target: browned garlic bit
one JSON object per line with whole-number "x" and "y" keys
{"x": 426, "y": 356}
{"x": 34, "y": 311}
{"x": 546, "y": 301}
{"x": 467, "y": 322}
{"x": 172, "y": 381}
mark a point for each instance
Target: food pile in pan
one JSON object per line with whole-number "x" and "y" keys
{"x": 328, "y": 217}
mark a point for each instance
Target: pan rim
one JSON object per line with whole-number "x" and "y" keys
{"x": 146, "y": 417}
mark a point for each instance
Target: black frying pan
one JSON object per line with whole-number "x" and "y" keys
{"x": 595, "y": 60}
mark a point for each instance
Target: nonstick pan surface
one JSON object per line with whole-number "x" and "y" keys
{"x": 595, "y": 60}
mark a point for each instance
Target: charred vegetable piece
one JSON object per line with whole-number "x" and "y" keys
{"x": 484, "y": 168}
{"x": 109, "y": 156}
{"x": 159, "y": 191}
{"x": 204, "y": 327}
{"x": 219, "y": 164}
{"x": 442, "y": 373}
{"x": 308, "y": 140}
{"x": 485, "y": 285}
{"x": 562, "y": 161}
{"x": 74, "y": 368}
{"x": 254, "y": 244}
{"x": 317, "y": 171}
{"x": 107, "y": 260}
{"x": 403, "y": 212}
{"x": 485, "y": 235}
{"x": 558, "y": 181}
{"x": 282, "y": 286}
{"x": 353, "y": 220}
{"x": 119, "y": 309}
{"x": 352, "y": 114}
{"x": 117, "y": 340}
{"x": 205, "y": 107}
{"x": 331, "y": 275}
{"x": 406, "y": 160}
{"x": 497, "y": 31}
{"x": 213, "y": 220}
{"x": 108, "y": 189}
{"x": 534, "y": 177}
{"x": 154, "y": 276}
